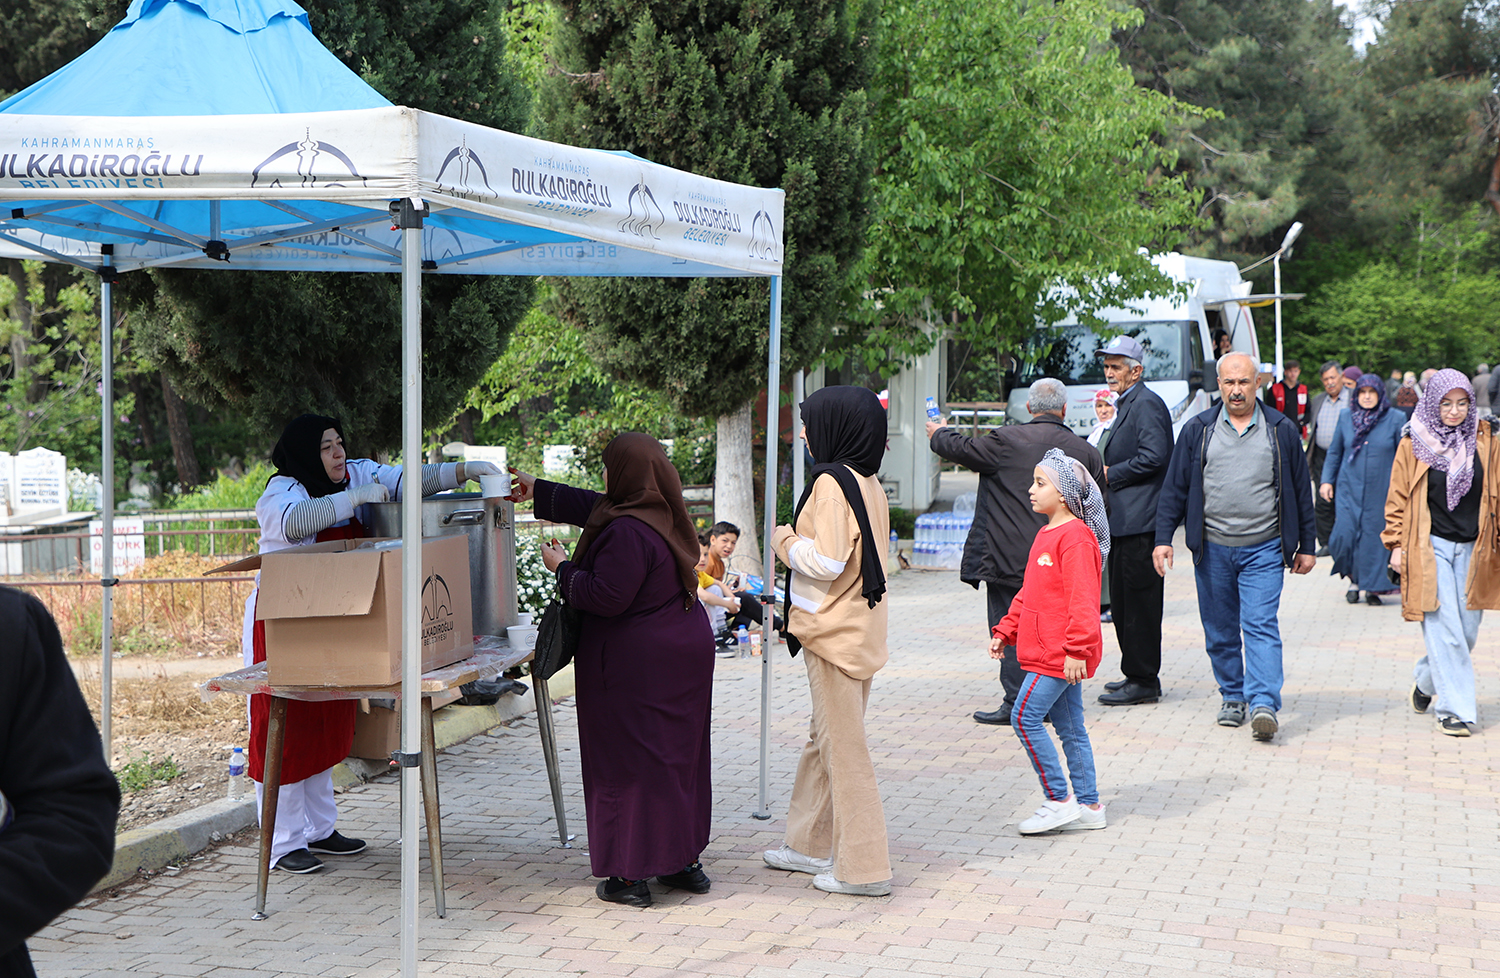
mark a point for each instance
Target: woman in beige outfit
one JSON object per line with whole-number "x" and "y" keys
{"x": 835, "y": 551}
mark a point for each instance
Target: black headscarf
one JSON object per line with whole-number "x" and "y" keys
{"x": 845, "y": 430}
{"x": 299, "y": 454}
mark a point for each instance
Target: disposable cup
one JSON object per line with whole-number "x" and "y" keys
{"x": 494, "y": 486}
{"x": 521, "y": 636}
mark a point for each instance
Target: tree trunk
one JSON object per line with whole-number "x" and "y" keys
{"x": 188, "y": 474}
{"x": 734, "y": 486}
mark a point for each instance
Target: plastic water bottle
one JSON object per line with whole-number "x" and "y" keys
{"x": 742, "y": 639}
{"x": 237, "y": 773}
{"x": 932, "y": 409}
{"x": 892, "y": 552}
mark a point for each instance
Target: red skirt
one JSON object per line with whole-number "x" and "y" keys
{"x": 318, "y": 735}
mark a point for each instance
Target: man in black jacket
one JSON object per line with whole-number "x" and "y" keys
{"x": 1136, "y": 450}
{"x": 1239, "y": 483}
{"x": 1005, "y": 525}
{"x": 58, "y": 799}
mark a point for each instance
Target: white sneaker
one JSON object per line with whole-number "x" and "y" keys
{"x": 829, "y": 883}
{"x": 1088, "y": 818}
{"x": 793, "y": 861}
{"x": 1052, "y": 814}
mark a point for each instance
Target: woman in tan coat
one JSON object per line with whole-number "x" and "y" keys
{"x": 1440, "y": 526}
{"x": 835, "y": 549}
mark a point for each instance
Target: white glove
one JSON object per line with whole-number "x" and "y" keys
{"x": 473, "y": 470}
{"x": 372, "y": 492}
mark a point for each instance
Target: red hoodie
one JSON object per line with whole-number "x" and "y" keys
{"x": 1056, "y": 614}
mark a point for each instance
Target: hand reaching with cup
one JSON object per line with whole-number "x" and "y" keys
{"x": 522, "y": 486}
{"x": 553, "y": 554}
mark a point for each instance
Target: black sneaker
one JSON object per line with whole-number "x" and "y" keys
{"x": 1453, "y": 726}
{"x": 1420, "y": 701}
{"x": 338, "y": 845}
{"x": 691, "y": 878}
{"x": 299, "y": 861}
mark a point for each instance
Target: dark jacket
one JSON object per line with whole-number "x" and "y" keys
{"x": 1182, "y": 494}
{"x": 52, "y": 772}
{"x": 1313, "y": 407}
{"x": 1136, "y": 453}
{"x": 1004, "y": 522}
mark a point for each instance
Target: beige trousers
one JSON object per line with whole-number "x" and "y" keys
{"x": 835, "y": 808}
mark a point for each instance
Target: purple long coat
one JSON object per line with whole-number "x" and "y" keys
{"x": 645, "y": 672}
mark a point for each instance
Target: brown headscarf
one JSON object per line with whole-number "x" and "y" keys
{"x": 644, "y": 484}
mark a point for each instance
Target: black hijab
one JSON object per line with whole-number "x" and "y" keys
{"x": 845, "y": 430}
{"x": 299, "y": 454}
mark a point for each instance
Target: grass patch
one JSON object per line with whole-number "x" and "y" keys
{"x": 141, "y": 772}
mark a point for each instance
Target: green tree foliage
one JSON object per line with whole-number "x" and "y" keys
{"x": 762, "y": 93}
{"x": 50, "y": 365}
{"x": 272, "y": 345}
{"x": 1015, "y": 158}
{"x": 39, "y": 36}
{"x": 1280, "y": 75}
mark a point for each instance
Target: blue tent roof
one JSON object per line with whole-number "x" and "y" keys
{"x": 201, "y": 57}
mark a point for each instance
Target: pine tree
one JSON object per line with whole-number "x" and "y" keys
{"x": 768, "y": 93}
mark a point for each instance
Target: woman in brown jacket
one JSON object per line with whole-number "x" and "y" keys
{"x": 1441, "y": 511}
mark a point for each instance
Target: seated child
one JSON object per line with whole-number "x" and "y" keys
{"x": 714, "y": 596}
{"x": 722, "y": 539}
{"x": 1054, "y": 625}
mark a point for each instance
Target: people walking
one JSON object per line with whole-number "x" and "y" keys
{"x": 1239, "y": 484}
{"x": 835, "y": 551}
{"x": 1136, "y": 450}
{"x": 1054, "y": 633}
{"x": 1004, "y": 522}
{"x": 1445, "y": 488}
{"x": 1356, "y": 475}
{"x": 1323, "y": 418}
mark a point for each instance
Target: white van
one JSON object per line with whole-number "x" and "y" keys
{"x": 1176, "y": 333}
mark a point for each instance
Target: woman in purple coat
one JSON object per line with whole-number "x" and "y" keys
{"x": 644, "y": 668}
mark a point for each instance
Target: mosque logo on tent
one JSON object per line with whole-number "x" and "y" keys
{"x": 309, "y": 153}
{"x": 466, "y": 162}
{"x": 644, "y": 214}
{"x": 764, "y": 244}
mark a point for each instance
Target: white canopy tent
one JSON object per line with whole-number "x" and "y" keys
{"x": 288, "y": 161}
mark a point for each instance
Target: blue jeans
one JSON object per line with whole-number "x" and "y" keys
{"x": 1039, "y": 696}
{"x": 1239, "y": 594}
{"x": 1447, "y": 671}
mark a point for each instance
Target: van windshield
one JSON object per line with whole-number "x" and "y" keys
{"x": 1067, "y": 352}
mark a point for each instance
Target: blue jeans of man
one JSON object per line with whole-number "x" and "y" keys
{"x": 1447, "y": 671}
{"x": 1239, "y": 595}
{"x": 1039, "y": 696}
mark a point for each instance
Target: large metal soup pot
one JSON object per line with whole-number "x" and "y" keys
{"x": 490, "y": 526}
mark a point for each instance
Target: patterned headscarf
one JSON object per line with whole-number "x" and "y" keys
{"x": 1079, "y": 490}
{"x": 1366, "y": 420}
{"x": 1447, "y": 449}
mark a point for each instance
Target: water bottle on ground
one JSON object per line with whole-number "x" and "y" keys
{"x": 892, "y": 551}
{"x": 742, "y": 639}
{"x": 237, "y": 776}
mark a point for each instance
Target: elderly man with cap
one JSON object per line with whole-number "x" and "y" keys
{"x": 1137, "y": 448}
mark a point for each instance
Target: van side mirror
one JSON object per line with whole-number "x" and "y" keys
{"x": 1196, "y": 377}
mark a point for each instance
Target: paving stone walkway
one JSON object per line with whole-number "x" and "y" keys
{"x": 1360, "y": 843}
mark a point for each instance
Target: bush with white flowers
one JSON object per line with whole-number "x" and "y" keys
{"x": 535, "y": 584}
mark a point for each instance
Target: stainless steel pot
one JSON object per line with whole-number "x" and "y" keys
{"x": 490, "y": 526}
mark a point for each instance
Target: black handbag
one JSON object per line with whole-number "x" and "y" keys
{"x": 556, "y": 638}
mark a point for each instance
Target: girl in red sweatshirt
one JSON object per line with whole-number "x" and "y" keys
{"x": 1054, "y": 625}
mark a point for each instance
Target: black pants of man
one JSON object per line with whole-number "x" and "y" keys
{"x": 997, "y": 599}
{"x": 1322, "y": 508}
{"x": 1135, "y": 601}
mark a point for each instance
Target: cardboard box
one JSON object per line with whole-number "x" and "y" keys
{"x": 378, "y": 733}
{"x": 332, "y": 610}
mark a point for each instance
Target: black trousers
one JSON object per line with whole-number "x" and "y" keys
{"x": 1135, "y": 601}
{"x": 1322, "y": 508}
{"x": 997, "y": 599}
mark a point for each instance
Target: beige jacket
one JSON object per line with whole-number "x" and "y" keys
{"x": 1408, "y": 524}
{"x": 829, "y": 615}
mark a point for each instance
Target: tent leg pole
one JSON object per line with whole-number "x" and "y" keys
{"x": 768, "y": 568}
{"x": 409, "y": 218}
{"x": 107, "y": 481}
